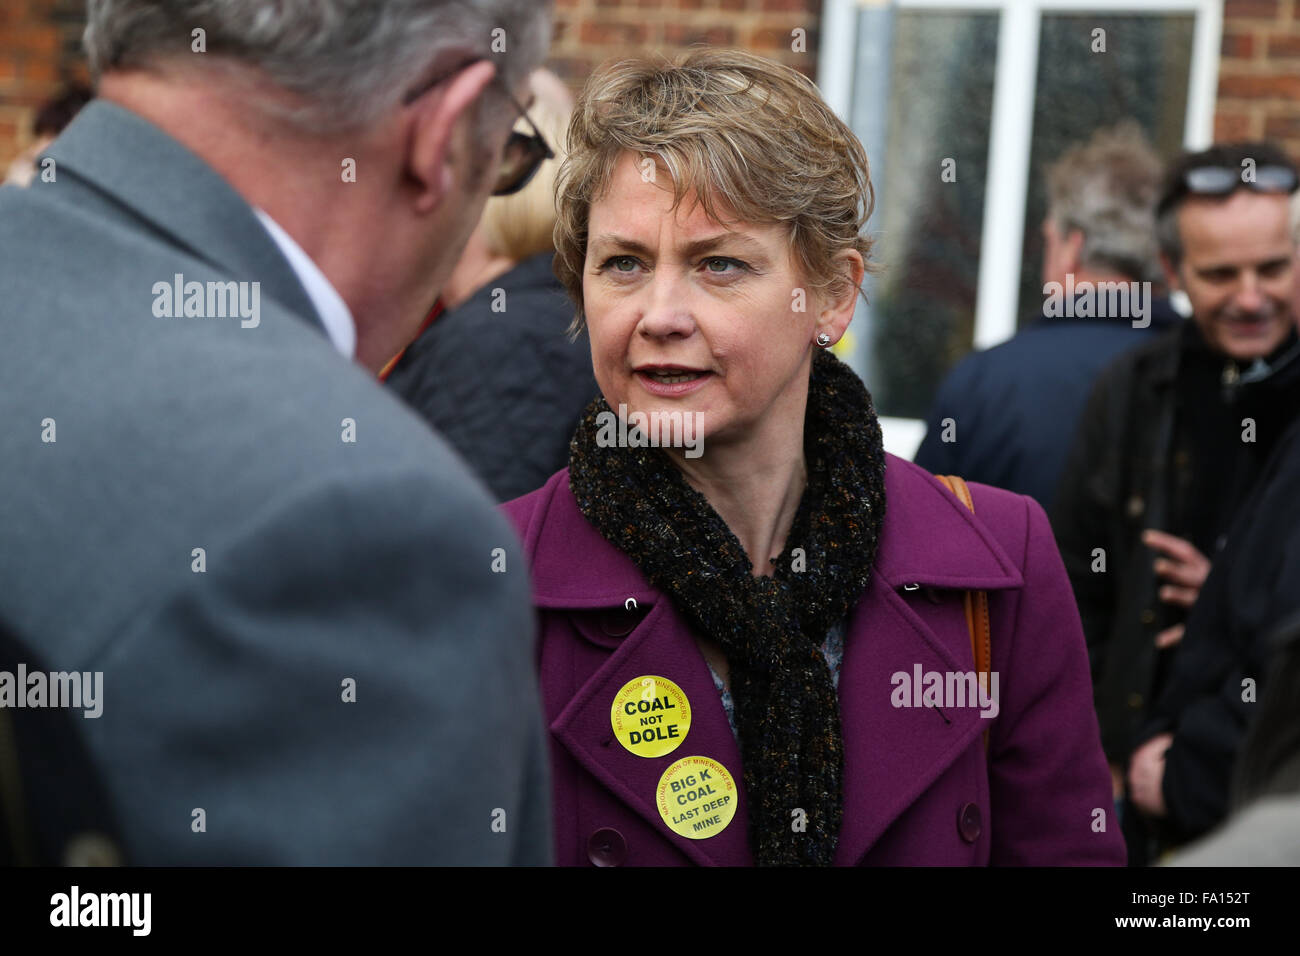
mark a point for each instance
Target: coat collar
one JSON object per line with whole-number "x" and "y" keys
{"x": 928, "y": 538}
{"x": 136, "y": 164}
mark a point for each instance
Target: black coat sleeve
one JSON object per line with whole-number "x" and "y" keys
{"x": 1218, "y": 675}
{"x": 1086, "y": 504}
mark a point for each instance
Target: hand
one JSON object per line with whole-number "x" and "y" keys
{"x": 1146, "y": 775}
{"x": 1184, "y": 567}
{"x": 1170, "y": 636}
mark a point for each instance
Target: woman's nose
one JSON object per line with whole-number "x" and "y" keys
{"x": 667, "y": 309}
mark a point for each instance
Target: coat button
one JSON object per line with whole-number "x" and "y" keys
{"x": 1136, "y": 506}
{"x": 1148, "y": 616}
{"x": 969, "y": 822}
{"x": 1135, "y": 700}
{"x": 619, "y": 623}
{"x": 606, "y": 847}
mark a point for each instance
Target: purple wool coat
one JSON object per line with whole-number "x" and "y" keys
{"x": 918, "y": 787}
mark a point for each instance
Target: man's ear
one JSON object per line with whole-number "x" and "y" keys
{"x": 1072, "y": 251}
{"x": 836, "y": 313}
{"x": 432, "y": 152}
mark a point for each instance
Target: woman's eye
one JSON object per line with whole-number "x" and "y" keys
{"x": 619, "y": 262}
{"x": 712, "y": 264}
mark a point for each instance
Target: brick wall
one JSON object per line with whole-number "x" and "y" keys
{"x": 588, "y": 32}
{"x": 1259, "y": 72}
{"x": 40, "y": 51}
{"x": 40, "y": 42}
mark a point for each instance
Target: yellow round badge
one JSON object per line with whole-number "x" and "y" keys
{"x": 650, "y": 716}
{"x": 696, "y": 797}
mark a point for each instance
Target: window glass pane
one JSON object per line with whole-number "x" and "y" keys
{"x": 928, "y": 230}
{"x": 1143, "y": 75}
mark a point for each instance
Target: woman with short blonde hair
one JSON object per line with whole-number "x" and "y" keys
{"x": 753, "y": 645}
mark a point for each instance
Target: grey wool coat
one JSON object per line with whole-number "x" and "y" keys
{"x": 301, "y": 636}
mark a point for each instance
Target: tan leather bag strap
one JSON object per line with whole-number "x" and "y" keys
{"x": 976, "y": 604}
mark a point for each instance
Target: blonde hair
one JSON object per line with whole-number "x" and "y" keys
{"x": 522, "y": 225}
{"x": 735, "y": 129}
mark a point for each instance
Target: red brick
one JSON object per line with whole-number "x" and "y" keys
{"x": 684, "y": 35}
{"x": 1232, "y": 125}
{"x": 1282, "y": 46}
{"x": 767, "y": 39}
{"x": 39, "y": 72}
{"x": 1263, "y": 9}
{"x": 794, "y": 6}
{"x": 1238, "y": 44}
{"x": 613, "y": 33}
{"x": 1260, "y": 86}
{"x": 1282, "y": 127}
{"x": 38, "y": 40}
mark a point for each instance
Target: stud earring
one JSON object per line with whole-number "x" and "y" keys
{"x": 823, "y": 339}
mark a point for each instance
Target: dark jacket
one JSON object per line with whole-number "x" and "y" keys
{"x": 503, "y": 385}
{"x": 55, "y": 809}
{"x": 1252, "y": 590}
{"x": 1132, "y": 468}
{"x": 1015, "y": 405}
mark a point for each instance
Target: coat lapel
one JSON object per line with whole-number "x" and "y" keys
{"x": 134, "y": 163}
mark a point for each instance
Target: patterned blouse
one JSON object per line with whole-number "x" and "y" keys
{"x": 832, "y": 650}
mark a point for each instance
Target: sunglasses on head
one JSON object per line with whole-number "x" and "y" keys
{"x": 523, "y": 153}
{"x": 1223, "y": 180}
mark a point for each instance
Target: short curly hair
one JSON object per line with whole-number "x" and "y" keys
{"x": 739, "y": 131}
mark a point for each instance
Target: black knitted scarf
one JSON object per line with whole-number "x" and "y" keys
{"x": 771, "y": 628}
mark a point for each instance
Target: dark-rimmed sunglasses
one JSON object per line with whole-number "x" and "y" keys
{"x": 1223, "y": 180}
{"x": 523, "y": 154}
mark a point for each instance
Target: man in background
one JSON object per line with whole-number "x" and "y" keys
{"x": 1005, "y": 416}
{"x": 1177, "y": 432}
{"x": 313, "y": 631}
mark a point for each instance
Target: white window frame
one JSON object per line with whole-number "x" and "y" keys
{"x": 1011, "y": 132}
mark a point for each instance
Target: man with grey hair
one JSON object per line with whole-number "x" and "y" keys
{"x": 314, "y": 631}
{"x": 1005, "y": 416}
